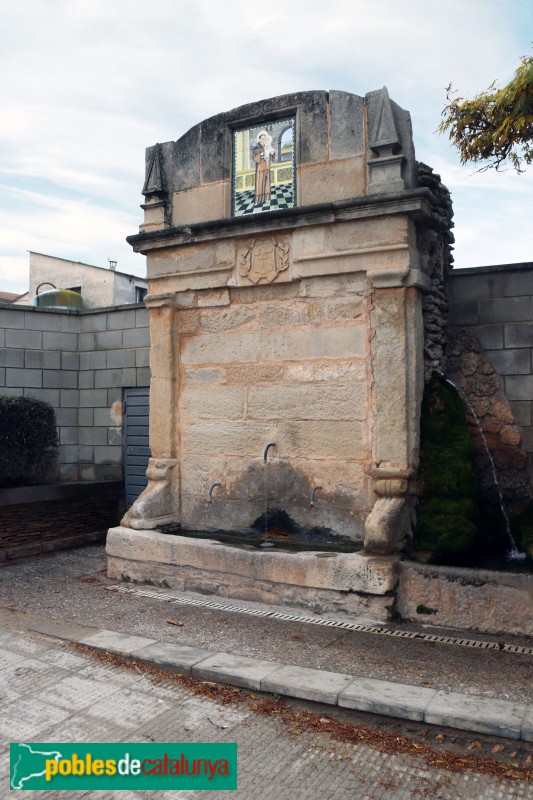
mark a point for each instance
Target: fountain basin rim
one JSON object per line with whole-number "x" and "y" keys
{"x": 347, "y": 572}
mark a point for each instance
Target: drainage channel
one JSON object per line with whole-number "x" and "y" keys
{"x": 329, "y": 623}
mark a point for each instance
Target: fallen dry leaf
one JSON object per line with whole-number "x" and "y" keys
{"x": 301, "y": 722}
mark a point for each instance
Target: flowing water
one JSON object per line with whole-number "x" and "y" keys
{"x": 513, "y": 554}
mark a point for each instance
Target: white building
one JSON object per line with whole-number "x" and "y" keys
{"x": 99, "y": 286}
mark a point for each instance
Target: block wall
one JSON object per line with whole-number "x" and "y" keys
{"x": 80, "y": 362}
{"x": 114, "y": 352}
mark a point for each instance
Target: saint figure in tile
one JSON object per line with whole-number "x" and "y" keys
{"x": 263, "y": 154}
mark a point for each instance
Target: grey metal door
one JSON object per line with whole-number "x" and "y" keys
{"x": 136, "y": 444}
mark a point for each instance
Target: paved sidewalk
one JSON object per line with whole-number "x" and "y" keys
{"x": 51, "y": 692}
{"x": 487, "y": 690}
{"x": 404, "y": 701}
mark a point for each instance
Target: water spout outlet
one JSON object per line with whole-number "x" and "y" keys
{"x": 267, "y": 448}
{"x": 312, "y": 495}
{"x": 211, "y": 490}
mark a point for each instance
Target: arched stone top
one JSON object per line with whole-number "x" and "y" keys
{"x": 345, "y": 146}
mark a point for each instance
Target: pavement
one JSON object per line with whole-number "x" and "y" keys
{"x": 410, "y": 673}
{"x": 401, "y": 700}
{"x": 53, "y": 691}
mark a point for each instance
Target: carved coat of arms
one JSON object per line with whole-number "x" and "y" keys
{"x": 263, "y": 260}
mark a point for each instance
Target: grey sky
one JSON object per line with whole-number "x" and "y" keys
{"x": 86, "y": 85}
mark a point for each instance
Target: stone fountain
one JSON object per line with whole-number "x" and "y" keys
{"x": 291, "y": 249}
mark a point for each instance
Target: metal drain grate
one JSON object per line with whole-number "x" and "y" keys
{"x": 329, "y": 623}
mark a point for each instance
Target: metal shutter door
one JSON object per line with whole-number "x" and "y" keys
{"x": 136, "y": 443}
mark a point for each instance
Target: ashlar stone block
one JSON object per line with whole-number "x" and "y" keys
{"x": 222, "y": 402}
{"x": 313, "y": 402}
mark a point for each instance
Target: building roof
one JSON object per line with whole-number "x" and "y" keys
{"x": 84, "y": 264}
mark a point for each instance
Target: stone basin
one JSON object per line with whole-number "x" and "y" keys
{"x": 348, "y": 582}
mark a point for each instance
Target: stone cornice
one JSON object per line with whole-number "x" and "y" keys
{"x": 417, "y": 203}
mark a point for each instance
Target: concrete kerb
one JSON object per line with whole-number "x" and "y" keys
{"x": 451, "y": 709}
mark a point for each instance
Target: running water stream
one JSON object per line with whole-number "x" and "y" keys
{"x": 265, "y": 467}
{"x": 513, "y": 554}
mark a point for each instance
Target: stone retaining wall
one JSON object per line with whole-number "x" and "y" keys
{"x": 466, "y": 599}
{"x": 41, "y": 519}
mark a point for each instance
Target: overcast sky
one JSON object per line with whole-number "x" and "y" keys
{"x": 87, "y": 85}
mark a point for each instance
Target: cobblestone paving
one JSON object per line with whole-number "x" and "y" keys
{"x": 50, "y": 693}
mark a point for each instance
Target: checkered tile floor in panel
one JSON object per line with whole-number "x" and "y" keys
{"x": 280, "y": 197}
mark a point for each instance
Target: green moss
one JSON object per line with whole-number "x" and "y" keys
{"x": 522, "y": 526}
{"x": 425, "y": 610}
{"x": 449, "y": 517}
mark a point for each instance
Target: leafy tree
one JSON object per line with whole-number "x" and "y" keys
{"x": 496, "y": 126}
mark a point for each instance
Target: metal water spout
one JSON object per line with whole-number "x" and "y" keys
{"x": 312, "y": 495}
{"x": 211, "y": 489}
{"x": 267, "y": 448}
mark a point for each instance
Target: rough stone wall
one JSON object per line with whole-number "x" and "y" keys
{"x": 477, "y": 379}
{"x": 466, "y": 599}
{"x": 79, "y": 362}
{"x": 287, "y": 364}
{"x": 494, "y": 304}
{"x": 435, "y": 239}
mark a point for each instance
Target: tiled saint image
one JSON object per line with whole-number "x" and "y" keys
{"x": 263, "y": 168}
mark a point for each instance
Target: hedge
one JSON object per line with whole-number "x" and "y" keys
{"x": 29, "y": 444}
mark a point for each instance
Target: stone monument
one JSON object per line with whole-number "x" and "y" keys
{"x": 295, "y": 261}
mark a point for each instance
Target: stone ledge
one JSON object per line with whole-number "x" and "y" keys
{"x": 379, "y": 697}
{"x": 307, "y": 684}
{"x": 178, "y": 658}
{"x": 242, "y": 671}
{"x": 468, "y": 599}
{"x": 48, "y": 546}
{"x": 113, "y": 642}
{"x": 415, "y": 202}
{"x": 480, "y": 714}
{"x": 341, "y": 572}
{"x": 14, "y": 495}
{"x": 190, "y": 579}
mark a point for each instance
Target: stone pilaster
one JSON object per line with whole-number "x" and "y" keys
{"x": 157, "y": 503}
{"x": 397, "y": 359}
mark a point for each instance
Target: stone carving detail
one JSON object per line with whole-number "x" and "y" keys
{"x": 385, "y": 167}
{"x": 263, "y": 260}
{"x": 391, "y": 487}
{"x": 153, "y": 507}
{"x": 155, "y": 183}
{"x": 387, "y": 526}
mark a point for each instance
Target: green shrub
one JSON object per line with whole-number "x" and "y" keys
{"x": 449, "y": 516}
{"x": 29, "y": 443}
